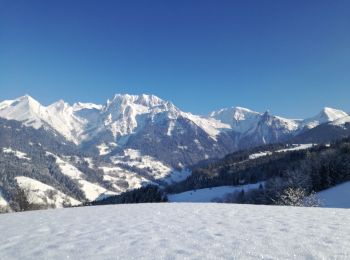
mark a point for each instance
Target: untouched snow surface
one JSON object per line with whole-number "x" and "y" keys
{"x": 336, "y": 197}
{"x": 177, "y": 231}
{"x": 209, "y": 194}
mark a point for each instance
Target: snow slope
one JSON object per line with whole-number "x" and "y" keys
{"x": 209, "y": 194}
{"x": 155, "y": 169}
{"x": 38, "y": 193}
{"x": 177, "y": 231}
{"x": 91, "y": 190}
{"x": 336, "y": 197}
{"x": 341, "y": 121}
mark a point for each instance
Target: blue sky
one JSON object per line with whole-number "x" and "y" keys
{"x": 291, "y": 57}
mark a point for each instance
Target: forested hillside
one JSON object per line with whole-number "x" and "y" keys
{"x": 288, "y": 175}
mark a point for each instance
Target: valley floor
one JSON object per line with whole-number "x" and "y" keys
{"x": 177, "y": 230}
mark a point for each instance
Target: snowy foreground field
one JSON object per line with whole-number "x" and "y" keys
{"x": 176, "y": 230}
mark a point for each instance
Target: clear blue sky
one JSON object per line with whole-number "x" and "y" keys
{"x": 291, "y": 57}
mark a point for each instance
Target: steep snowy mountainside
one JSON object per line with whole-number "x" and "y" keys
{"x": 59, "y": 116}
{"x": 341, "y": 121}
{"x": 256, "y": 128}
{"x": 211, "y": 126}
{"x": 124, "y": 113}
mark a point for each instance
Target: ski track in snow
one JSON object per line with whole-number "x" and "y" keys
{"x": 177, "y": 231}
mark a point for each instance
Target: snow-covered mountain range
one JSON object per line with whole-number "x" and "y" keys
{"x": 126, "y": 115}
{"x": 132, "y": 140}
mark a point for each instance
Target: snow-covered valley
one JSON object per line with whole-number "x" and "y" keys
{"x": 177, "y": 231}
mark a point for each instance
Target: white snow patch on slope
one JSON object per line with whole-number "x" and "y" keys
{"x": 92, "y": 191}
{"x": 171, "y": 127}
{"x": 103, "y": 149}
{"x": 39, "y": 193}
{"x": 295, "y": 147}
{"x": 90, "y": 162}
{"x": 18, "y": 154}
{"x": 3, "y": 202}
{"x": 258, "y": 155}
{"x": 209, "y": 194}
{"x": 134, "y": 158}
{"x": 177, "y": 231}
{"x": 155, "y": 169}
{"x": 336, "y": 197}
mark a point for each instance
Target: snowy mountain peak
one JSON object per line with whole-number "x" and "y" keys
{"x": 28, "y": 101}
{"x": 326, "y": 115}
{"x": 59, "y": 105}
{"x": 239, "y": 118}
{"x": 25, "y": 109}
{"x": 143, "y": 99}
{"x": 331, "y": 114}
